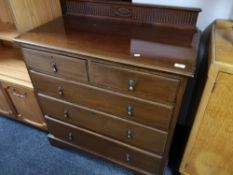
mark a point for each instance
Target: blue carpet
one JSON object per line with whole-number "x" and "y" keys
{"x": 26, "y": 151}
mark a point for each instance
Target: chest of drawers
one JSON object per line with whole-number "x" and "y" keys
{"x": 110, "y": 88}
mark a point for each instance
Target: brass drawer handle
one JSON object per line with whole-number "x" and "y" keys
{"x": 66, "y": 114}
{"x": 130, "y": 110}
{"x": 127, "y": 157}
{"x": 131, "y": 85}
{"x": 54, "y": 66}
{"x": 71, "y": 136}
{"x": 20, "y": 95}
{"x": 60, "y": 90}
{"x": 129, "y": 133}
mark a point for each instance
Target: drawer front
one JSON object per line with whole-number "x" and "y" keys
{"x": 26, "y": 104}
{"x": 129, "y": 132}
{"x": 56, "y": 65}
{"x": 5, "y": 107}
{"x": 144, "y": 85}
{"x": 152, "y": 114}
{"x": 104, "y": 146}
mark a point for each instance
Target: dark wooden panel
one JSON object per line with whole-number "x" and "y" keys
{"x": 106, "y": 147}
{"x": 123, "y": 130}
{"x": 152, "y": 114}
{"x": 141, "y": 13}
{"x": 148, "y": 86}
{"x": 56, "y": 65}
{"x": 67, "y": 145}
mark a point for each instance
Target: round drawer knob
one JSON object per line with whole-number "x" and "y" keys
{"x": 66, "y": 114}
{"x": 130, "y": 110}
{"x": 129, "y": 133}
{"x": 131, "y": 85}
{"x": 60, "y": 90}
{"x": 71, "y": 136}
{"x": 127, "y": 157}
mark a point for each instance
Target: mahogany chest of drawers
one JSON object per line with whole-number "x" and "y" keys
{"x": 111, "y": 88}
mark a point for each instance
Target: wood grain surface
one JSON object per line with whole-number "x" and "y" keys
{"x": 152, "y": 114}
{"x": 145, "y": 46}
{"x": 30, "y": 14}
{"x": 211, "y": 154}
{"x": 106, "y": 147}
{"x": 25, "y": 103}
{"x": 209, "y": 149}
{"x": 56, "y": 65}
{"x": 148, "y": 86}
{"x": 129, "y": 132}
{"x": 12, "y": 67}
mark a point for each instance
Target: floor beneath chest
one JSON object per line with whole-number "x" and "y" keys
{"x": 26, "y": 151}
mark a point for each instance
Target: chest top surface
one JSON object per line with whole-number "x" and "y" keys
{"x": 148, "y": 46}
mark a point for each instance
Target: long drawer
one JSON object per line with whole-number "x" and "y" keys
{"x": 152, "y": 114}
{"x": 106, "y": 147}
{"x": 123, "y": 130}
{"x": 144, "y": 85}
{"x": 56, "y": 65}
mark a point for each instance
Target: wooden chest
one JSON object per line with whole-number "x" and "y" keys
{"x": 109, "y": 87}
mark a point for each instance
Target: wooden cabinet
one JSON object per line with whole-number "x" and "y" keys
{"x": 17, "y": 97}
{"x": 210, "y": 147}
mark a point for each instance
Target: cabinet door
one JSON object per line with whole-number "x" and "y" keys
{"x": 5, "y": 108}
{"x": 26, "y": 104}
{"x": 212, "y": 149}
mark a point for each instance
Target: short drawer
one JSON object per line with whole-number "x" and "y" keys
{"x": 105, "y": 147}
{"x": 123, "y": 130}
{"x": 153, "y": 114}
{"x": 143, "y": 85}
{"x": 56, "y": 65}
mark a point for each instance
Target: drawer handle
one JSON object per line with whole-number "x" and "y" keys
{"x": 71, "y": 136}
{"x": 20, "y": 95}
{"x": 60, "y": 90}
{"x": 130, "y": 111}
{"x": 54, "y": 66}
{"x": 129, "y": 133}
{"x": 127, "y": 157}
{"x": 66, "y": 114}
{"x": 131, "y": 85}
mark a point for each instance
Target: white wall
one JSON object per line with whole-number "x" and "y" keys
{"x": 231, "y": 13}
{"x": 211, "y": 9}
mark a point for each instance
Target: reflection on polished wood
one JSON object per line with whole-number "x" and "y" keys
{"x": 159, "y": 48}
